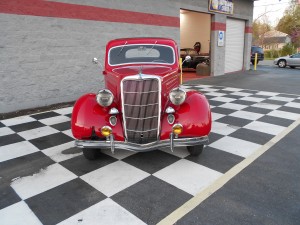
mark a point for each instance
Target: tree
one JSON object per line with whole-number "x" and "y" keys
{"x": 290, "y": 23}
{"x": 260, "y": 28}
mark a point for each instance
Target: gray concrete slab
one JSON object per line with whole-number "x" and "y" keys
{"x": 266, "y": 192}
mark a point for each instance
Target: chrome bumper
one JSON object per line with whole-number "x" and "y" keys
{"x": 172, "y": 142}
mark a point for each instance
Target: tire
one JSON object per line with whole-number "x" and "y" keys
{"x": 282, "y": 63}
{"x": 195, "y": 150}
{"x": 90, "y": 153}
{"x": 253, "y": 62}
{"x": 292, "y": 67}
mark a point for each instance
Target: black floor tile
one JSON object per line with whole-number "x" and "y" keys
{"x": 215, "y": 103}
{"x": 215, "y": 159}
{"x": 252, "y": 136}
{"x": 289, "y": 109}
{"x": 233, "y": 96}
{"x": 62, "y": 126}
{"x": 7, "y": 196}
{"x": 51, "y": 140}
{"x": 2, "y": 125}
{"x": 10, "y": 139}
{"x": 27, "y": 126}
{"x": 235, "y": 121}
{"x": 152, "y": 161}
{"x": 59, "y": 203}
{"x": 296, "y": 100}
{"x": 45, "y": 115}
{"x": 151, "y": 199}
{"x": 257, "y": 110}
{"x": 273, "y": 102}
{"x": 260, "y": 96}
{"x": 223, "y": 111}
{"x": 214, "y": 137}
{"x": 276, "y": 120}
{"x": 243, "y": 102}
{"x": 80, "y": 165}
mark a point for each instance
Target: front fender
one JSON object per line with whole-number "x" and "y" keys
{"x": 88, "y": 115}
{"x": 194, "y": 115}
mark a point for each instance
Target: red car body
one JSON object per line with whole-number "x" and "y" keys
{"x": 126, "y": 78}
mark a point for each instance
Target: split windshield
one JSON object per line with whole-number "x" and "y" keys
{"x": 141, "y": 53}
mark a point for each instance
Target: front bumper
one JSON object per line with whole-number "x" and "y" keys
{"x": 172, "y": 142}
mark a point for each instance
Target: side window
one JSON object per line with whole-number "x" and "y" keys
{"x": 297, "y": 56}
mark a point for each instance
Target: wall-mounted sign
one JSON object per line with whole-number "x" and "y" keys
{"x": 221, "y": 6}
{"x": 221, "y": 36}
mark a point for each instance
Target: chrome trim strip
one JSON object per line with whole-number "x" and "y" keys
{"x": 177, "y": 142}
{"x": 137, "y": 77}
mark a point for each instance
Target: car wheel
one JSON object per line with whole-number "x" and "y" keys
{"x": 282, "y": 63}
{"x": 252, "y": 62}
{"x": 292, "y": 67}
{"x": 195, "y": 150}
{"x": 90, "y": 153}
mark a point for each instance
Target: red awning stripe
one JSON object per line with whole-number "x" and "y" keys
{"x": 83, "y": 12}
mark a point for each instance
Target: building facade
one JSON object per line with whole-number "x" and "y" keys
{"x": 47, "y": 46}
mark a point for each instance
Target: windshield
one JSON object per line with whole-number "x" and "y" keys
{"x": 141, "y": 53}
{"x": 257, "y": 50}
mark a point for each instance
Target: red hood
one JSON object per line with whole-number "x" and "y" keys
{"x": 151, "y": 70}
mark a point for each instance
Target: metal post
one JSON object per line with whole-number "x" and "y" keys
{"x": 255, "y": 61}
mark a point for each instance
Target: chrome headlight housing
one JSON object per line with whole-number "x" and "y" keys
{"x": 177, "y": 96}
{"x": 104, "y": 97}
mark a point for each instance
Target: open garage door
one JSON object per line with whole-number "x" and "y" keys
{"x": 234, "y": 46}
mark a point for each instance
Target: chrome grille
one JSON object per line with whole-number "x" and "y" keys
{"x": 141, "y": 109}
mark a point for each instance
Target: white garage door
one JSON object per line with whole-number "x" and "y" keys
{"x": 234, "y": 45}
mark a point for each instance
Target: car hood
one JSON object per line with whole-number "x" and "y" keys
{"x": 147, "y": 70}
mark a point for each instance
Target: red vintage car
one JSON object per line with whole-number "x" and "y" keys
{"x": 143, "y": 107}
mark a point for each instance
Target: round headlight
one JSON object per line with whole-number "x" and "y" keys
{"x": 104, "y": 97}
{"x": 177, "y": 96}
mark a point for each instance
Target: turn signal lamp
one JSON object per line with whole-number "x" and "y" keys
{"x": 106, "y": 131}
{"x": 177, "y": 129}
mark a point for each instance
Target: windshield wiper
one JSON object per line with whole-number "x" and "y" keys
{"x": 152, "y": 48}
{"x": 122, "y": 48}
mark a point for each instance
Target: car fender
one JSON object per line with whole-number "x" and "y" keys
{"x": 194, "y": 115}
{"x": 88, "y": 115}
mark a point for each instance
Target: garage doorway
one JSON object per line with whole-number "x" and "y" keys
{"x": 195, "y": 31}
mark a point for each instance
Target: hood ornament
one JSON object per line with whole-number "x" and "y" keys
{"x": 140, "y": 73}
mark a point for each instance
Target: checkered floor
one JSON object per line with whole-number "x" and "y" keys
{"x": 44, "y": 179}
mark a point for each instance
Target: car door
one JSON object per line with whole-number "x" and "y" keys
{"x": 296, "y": 59}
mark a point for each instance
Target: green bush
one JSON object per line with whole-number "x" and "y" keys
{"x": 288, "y": 49}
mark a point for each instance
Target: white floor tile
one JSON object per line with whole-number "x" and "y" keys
{"x": 64, "y": 111}
{"x": 37, "y": 132}
{"x": 215, "y": 94}
{"x": 232, "y": 89}
{"x": 203, "y": 86}
{"x": 44, "y": 180}
{"x": 241, "y": 93}
{"x": 18, "y": 213}
{"x": 6, "y": 131}
{"x": 283, "y": 99}
{"x": 15, "y": 150}
{"x": 252, "y": 99}
{"x": 209, "y": 89}
{"x": 265, "y": 127}
{"x": 223, "y": 99}
{"x": 17, "y": 120}
{"x": 267, "y": 93}
{"x": 246, "y": 115}
{"x": 106, "y": 212}
{"x": 235, "y": 146}
{"x": 188, "y": 176}
{"x": 68, "y": 132}
{"x": 266, "y": 106}
{"x": 55, "y": 120}
{"x": 285, "y": 115}
{"x": 114, "y": 178}
{"x": 233, "y": 106}
{"x": 180, "y": 152}
{"x": 57, "y": 153}
{"x": 222, "y": 128}
{"x": 293, "y": 104}
{"x": 216, "y": 116}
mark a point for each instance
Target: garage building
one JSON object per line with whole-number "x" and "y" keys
{"x": 47, "y": 46}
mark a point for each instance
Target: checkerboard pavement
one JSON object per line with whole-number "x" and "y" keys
{"x": 44, "y": 179}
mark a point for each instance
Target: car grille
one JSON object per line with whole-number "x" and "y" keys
{"x": 141, "y": 109}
